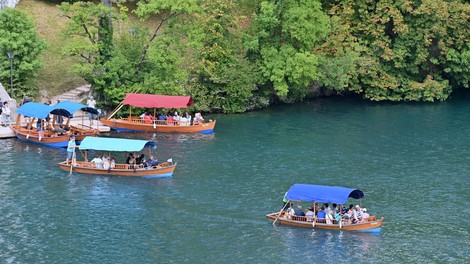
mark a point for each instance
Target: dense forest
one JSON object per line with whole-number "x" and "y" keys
{"x": 238, "y": 55}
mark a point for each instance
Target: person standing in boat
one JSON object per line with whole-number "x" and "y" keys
{"x": 91, "y": 103}
{"x": 285, "y": 202}
{"x": 71, "y": 150}
{"x": 6, "y": 112}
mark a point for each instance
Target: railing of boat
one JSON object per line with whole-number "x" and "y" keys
{"x": 324, "y": 220}
{"x": 159, "y": 122}
{"x": 89, "y": 164}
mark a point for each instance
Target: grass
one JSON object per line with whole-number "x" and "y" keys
{"x": 53, "y": 78}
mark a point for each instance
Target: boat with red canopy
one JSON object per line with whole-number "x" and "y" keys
{"x": 324, "y": 194}
{"x": 136, "y": 123}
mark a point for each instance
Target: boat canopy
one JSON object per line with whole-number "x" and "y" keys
{"x": 322, "y": 194}
{"x": 37, "y": 110}
{"x": 115, "y": 144}
{"x": 73, "y": 107}
{"x": 157, "y": 101}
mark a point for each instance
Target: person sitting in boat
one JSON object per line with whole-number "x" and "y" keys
{"x": 337, "y": 218}
{"x": 329, "y": 217}
{"x": 188, "y": 117}
{"x": 364, "y": 215}
{"x": 356, "y": 214}
{"x": 161, "y": 116}
{"x": 198, "y": 118}
{"x": 112, "y": 163}
{"x": 170, "y": 121}
{"x": 176, "y": 117}
{"x": 290, "y": 212}
{"x": 347, "y": 216}
{"x": 327, "y": 208}
{"x": 148, "y": 118}
{"x": 310, "y": 214}
{"x": 321, "y": 215}
{"x": 152, "y": 162}
{"x": 299, "y": 212}
{"x": 335, "y": 208}
{"x": 140, "y": 159}
{"x": 105, "y": 160}
{"x": 129, "y": 158}
{"x": 97, "y": 162}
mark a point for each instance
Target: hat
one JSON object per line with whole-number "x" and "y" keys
{"x": 364, "y": 209}
{"x": 299, "y": 207}
{"x": 91, "y": 96}
{"x": 357, "y": 206}
{"x": 72, "y": 136}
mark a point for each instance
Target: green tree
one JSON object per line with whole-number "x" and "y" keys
{"x": 282, "y": 43}
{"x": 408, "y": 50}
{"x": 223, "y": 78}
{"x": 18, "y": 35}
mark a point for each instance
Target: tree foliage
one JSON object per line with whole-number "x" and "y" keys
{"x": 282, "y": 42}
{"x": 237, "y": 55}
{"x": 18, "y": 35}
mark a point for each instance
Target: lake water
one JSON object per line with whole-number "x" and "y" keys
{"x": 411, "y": 160}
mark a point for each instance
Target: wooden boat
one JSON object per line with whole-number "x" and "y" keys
{"x": 164, "y": 169}
{"x": 324, "y": 194}
{"x": 56, "y": 135}
{"x": 135, "y": 123}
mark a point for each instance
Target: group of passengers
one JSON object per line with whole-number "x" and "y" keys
{"x": 175, "y": 119}
{"x": 104, "y": 162}
{"x": 134, "y": 159}
{"x": 327, "y": 214}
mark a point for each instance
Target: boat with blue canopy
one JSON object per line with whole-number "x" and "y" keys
{"x": 332, "y": 219}
{"x": 108, "y": 168}
{"x": 43, "y": 124}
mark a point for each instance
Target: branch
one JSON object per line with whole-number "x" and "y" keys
{"x": 87, "y": 32}
{"x": 144, "y": 53}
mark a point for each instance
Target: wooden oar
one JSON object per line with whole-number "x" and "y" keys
{"x": 279, "y": 214}
{"x": 71, "y": 161}
{"x": 120, "y": 105}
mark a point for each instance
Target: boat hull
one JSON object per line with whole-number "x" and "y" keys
{"x": 50, "y": 141}
{"x": 154, "y": 172}
{"x": 124, "y": 125}
{"x": 370, "y": 226}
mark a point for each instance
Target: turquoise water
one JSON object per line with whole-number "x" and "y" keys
{"x": 411, "y": 160}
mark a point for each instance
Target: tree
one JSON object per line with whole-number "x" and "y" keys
{"x": 223, "y": 78}
{"x": 18, "y": 35}
{"x": 282, "y": 43}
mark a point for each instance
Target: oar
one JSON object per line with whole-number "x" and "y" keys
{"x": 279, "y": 214}
{"x": 71, "y": 162}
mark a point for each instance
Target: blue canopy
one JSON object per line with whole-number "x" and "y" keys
{"x": 33, "y": 109}
{"x": 115, "y": 144}
{"x": 322, "y": 194}
{"x": 73, "y": 107}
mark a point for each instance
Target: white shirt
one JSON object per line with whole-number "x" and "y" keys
{"x": 91, "y": 103}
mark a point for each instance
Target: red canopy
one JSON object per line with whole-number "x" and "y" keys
{"x": 157, "y": 101}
